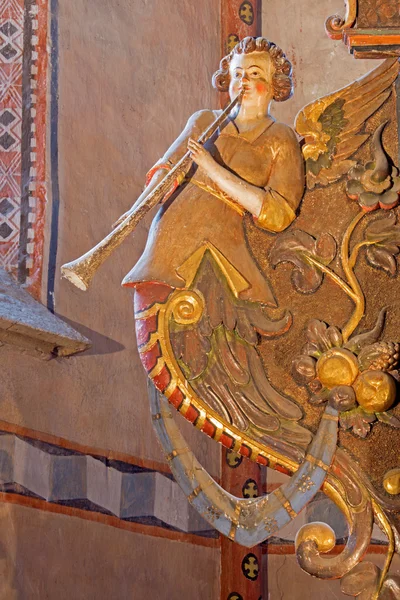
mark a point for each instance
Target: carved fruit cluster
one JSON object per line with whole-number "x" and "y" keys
{"x": 357, "y": 378}
{"x": 382, "y": 356}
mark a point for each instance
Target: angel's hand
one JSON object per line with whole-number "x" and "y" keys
{"x": 200, "y": 155}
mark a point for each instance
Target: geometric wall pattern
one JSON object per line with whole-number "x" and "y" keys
{"x": 62, "y": 476}
{"x": 23, "y": 90}
{"x": 11, "y": 52}
{"x": 59, "y": 475}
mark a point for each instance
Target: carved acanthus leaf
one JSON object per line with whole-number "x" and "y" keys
{"x": 382, "y": 237}
{"x": 298, "y": 247}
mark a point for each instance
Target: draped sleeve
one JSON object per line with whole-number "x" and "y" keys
{"x": 285, "y": 186}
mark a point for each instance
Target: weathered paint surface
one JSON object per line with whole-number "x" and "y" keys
{"x": 122, "y": 99}
{"x": 53, "y": 556}
{"x": 129, "y": 76}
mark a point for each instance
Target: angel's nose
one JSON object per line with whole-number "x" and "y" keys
{"x": 244, "y": 82}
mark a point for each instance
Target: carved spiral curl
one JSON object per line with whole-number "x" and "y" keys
{"x": 187, "y": 307}
{"x": 315, "y": 539}
{"x": 335, "y": 25}
{"x": 318, "y": 533}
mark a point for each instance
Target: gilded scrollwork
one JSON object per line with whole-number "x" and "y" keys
{"x": 362, "y": 582}
{"x": 352, "y": 374}
{"x": 356, "y": 374}
{"x": 208, "y": 337}
{"x": 335, "y": 25}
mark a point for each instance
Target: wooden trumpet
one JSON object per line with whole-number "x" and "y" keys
{"x": 81, "y": 271}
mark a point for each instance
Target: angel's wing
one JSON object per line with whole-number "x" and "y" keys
{"x": 331, "y": 126}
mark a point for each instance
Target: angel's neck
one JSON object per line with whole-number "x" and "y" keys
{"x": 251, "y": 116}
{"x": 247, "y": 122}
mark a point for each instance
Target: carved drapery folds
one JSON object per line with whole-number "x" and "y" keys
{"x": 214, "y": 343}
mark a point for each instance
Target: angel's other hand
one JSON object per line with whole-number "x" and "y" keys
{"x": 200, "y": 155}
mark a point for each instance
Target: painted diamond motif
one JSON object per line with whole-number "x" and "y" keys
{"x": 6, "y": 118}
{"x": 6, "y": 207}
{"x": 8, "y": 29}
{"x": 8, "y": 51}
{"x": 6, "y": 141}
{"x": 5, "y": 230}
{"x": 15, "y": 79}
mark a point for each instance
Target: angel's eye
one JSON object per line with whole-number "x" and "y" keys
{"x": 255, "y": 73}
{"x": 237, "y": 74}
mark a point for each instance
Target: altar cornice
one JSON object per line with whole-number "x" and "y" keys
{"x": 369, "y": 29}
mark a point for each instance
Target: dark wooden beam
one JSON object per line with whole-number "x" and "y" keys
{"x": 241, "y": 576}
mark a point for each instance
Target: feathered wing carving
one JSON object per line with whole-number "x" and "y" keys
{"x": 221, "y": 362}
{"x": 332, "y": 125}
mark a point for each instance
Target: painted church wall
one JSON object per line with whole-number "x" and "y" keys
{"x": 129, "y": 78}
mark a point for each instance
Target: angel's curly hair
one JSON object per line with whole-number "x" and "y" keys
{"x": 282, "y": 81}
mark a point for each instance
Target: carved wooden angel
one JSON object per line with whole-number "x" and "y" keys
{"x": 203, "y": 304}
{"x": 197, "y": 242}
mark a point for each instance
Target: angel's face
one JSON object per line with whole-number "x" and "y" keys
{"x": 253, "y": 73}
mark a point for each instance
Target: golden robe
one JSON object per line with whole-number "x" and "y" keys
{"x": 196, "y": 220}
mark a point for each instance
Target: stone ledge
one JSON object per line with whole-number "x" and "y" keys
{"x": 28, "y": 325}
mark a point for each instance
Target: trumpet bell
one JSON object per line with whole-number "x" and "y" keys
{"x": 69, "y": 271}
{"x": 81, "y": 271}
